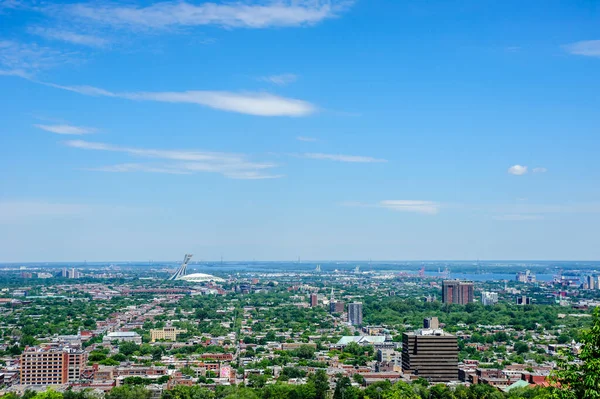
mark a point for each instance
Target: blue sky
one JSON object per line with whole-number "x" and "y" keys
{"x": 322, "y": 129}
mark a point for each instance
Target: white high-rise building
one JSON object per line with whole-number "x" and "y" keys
{"x": 489, "y": 298}
{"x": 525, "y": 277}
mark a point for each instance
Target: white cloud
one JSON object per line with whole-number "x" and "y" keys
{"x": 259, "y": 104}
{"x": 343, "y": 158}
{"x": 280, "y": 80}
{"x": 589, "y": 48}
{"x": 66, "y": 129}
{"x": 517, "y": 170}
{"x": 174, "y": 14}
{"x": 413, "y": 206}
{"x": 307, "y": 139}
{"x": 427, "y": 207}
{"x": 233, "y": 166}
{"x": 70, "y": 37}
{"x": 540, "y": 170}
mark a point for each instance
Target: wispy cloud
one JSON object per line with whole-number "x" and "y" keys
{"x": 234, "y": 166}
{"x": 412, "y": 206}
{"x": 504, "y": 212}
{"x": 342, "y": 158}
{"x": 15, "y": 72}
{"x": 11, "y": 5}
{"x": 589, "y": 48}
{"x": 517, "y": 217}
{"x": 14, "y": 211}
{"x": 250, "y": 103}
{"x": 540, "y": 170}
{"x": 69, "y": 36}
{"x": 541, "y": 209}
{"x": 517, "y": 170}
{"x": 25, "y": 59}
{"x": 138, "y": 167}
{"x": 280, "y": 80}
{"x": 175, "y": 14}
{"x": 512, "y": 49}
{"x": 428, "y": 207}
{"x": 66, "y": 129}
{"x": 307, "y": 139}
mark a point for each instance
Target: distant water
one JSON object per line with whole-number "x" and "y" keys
{"x": 467, "y": 270}
{"x": 496, "y": 276}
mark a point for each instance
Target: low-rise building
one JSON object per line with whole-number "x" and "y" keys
{"x": 122, "y": 336}
{"x": 165, "y": 333}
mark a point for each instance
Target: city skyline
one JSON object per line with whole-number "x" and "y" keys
{"x": 330, "y": 130}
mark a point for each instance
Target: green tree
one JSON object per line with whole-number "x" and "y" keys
{"x": 49, "y": 394}
{"x": 580, "y": 379}
{"x": 345, "y": 390}
{"x": 128, "y": 392}
{"x": 305, "y": 352}
{"x": 521, "y": 347}
{"x": 321, "y": 383}
{"x": 257, "y": 380}
{"x": 188, "y": 392}
{"x": 400, "y": 390}
{"x": 96, "y": 356}
{"x": 127, "y": 348}
{"x": 359, "y": 379}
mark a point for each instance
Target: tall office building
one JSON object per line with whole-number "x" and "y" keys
{"x": 592, "y": 282}
{"x": 355, "y": 314}
{"x": 458, "y": 292}
{"x": 51, "y": 365}
{"x": 431, "y": 354}
{"x": 489, "y": 298}
{"x": 314, "y": 300}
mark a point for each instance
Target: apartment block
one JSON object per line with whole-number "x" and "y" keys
{"x": 458, "y": 292}
{"x": 51, "y": 365}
